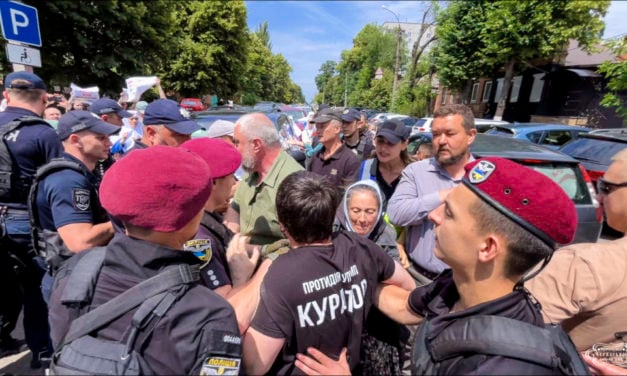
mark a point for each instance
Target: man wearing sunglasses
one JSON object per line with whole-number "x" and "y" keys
{"x": 584, "y": 286}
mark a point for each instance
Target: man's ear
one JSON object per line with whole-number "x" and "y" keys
{"x": 491, "y": 247}
{"x": 104, "y": 117}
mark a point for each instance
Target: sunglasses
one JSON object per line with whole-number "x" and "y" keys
{"x": 604, "y": 187}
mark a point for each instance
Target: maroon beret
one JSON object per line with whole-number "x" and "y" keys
{"x": 160, "y": 188}
{"x": 527, "y": 197}
{"x": 221, "y": 157}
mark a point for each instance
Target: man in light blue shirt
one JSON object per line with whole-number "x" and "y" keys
{"x": 425, "y": 184}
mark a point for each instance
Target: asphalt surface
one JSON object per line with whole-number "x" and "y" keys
{"x": 19, "y": 364}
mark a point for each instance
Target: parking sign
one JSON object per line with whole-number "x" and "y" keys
{"x": 20, "y": 23}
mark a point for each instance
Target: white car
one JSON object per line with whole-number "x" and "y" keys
{"x": 482, "y": 125}
{"x": 422, "y": 125}
{"x": 380, "y": 118}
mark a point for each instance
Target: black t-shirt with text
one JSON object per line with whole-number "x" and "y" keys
{"x": 319, "y": 296}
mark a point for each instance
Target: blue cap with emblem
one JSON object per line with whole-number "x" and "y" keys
{"x": 77, "y": 121}
{"x": 23, "y": 81}
{"x": 104, "y": 106}
{"x": 350, "y": 115}
{"x": 168, "y": 113}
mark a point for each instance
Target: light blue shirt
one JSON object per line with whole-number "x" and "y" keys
{"x": 415, "y": 196}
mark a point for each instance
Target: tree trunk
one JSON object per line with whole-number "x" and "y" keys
{"x": 507, "y": 84}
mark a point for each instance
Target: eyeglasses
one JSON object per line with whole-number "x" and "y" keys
{"x": 604, "y": 187}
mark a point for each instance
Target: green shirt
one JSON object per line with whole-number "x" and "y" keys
{"x": 256, "y": 201}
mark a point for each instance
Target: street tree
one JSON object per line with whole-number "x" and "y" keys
{"x": 474, "y": 37}
{"x": 616, "y": 74}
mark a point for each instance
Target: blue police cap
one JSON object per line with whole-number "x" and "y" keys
{"x": 168, "y": 113}
{"x": 108, "y": 106}
{"x": 350, "y": 115}
{"x": 76, "y": 121}
{"x": 23, "y": 81}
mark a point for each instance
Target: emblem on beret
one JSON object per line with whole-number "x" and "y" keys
{"x": 481, "y": 171}
{"x": 81, "y": 199}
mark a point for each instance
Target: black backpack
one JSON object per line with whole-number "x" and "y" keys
{"x": 46, "y": 243}
{"x": 498, "y": 336}
{"x": 80, "y": 353}
{"x": 13, "y": 187}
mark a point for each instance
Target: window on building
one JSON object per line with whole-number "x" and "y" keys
{"x": 536, "y": 89}
{"x": 487, "y": 88}
{"x": 499, "y": 90}
{"x": 443, "y": 96}
{"x": 513, "y": 98}
{"x": 474, "y": 93}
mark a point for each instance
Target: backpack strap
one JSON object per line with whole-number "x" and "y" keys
{"x": 131, "y": 298}
{"x": 502, "y": 336}
{"x": 81, "y": 283}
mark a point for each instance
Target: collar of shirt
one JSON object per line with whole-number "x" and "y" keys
{"x": 335, "y": 155}
{"x": 273, "y": 175}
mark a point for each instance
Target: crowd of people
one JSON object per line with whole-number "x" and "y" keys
{"x": 133, "y": 249}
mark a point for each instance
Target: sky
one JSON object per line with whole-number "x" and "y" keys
{"x": 308, "y": 33}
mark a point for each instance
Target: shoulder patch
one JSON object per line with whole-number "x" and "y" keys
{"x": 481, "y": 171}
{"x": 201, "y": 248}
{"x": 81, "y": 199}
{"x": 220, "y": 366}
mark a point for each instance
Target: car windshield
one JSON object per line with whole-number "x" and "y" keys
{"x": 567, "y": 176}
{"x": 593, "y": 149}
{"x": 190, "y": 102}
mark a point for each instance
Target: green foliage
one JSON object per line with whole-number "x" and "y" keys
{"x": 211, "y": 51}
{"x": 264, "y": 35}
{"x": 616, "y": 74}
{"x": 475, "y": 37}
{"x": 326, "y": 71}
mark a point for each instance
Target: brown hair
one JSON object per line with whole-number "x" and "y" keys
{"x": 457, "y": 109}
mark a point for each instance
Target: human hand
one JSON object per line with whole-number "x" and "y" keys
{"x": 402, "y": 256}
{"x": 319, "y": 364}
{"x": 599, "y": 367}
{"x": 242, "y": 262}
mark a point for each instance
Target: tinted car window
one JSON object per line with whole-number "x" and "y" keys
{"x": 534, "y": 137}
{"x": 592, "y": 149}
{"x": 420, "y": 122}
{"x": 568, "y": 177}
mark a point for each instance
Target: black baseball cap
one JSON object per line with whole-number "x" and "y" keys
{"x": 327, "y": 114}
{"x": 394, "y": 131}
{"x": 76, "y": 121}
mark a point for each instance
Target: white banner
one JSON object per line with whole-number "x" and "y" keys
{"x": 88, "y": 94}
{"x": 136, "y": 86}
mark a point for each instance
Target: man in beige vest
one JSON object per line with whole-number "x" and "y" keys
{"x": 584, "y": 286}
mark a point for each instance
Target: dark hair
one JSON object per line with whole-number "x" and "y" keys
{"x": 524, "y": 250}
{"x": 306, "y": 204}
{"x": 464, "y": 111}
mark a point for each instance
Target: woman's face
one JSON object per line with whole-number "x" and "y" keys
{"x": 386, "y": 151}
{"x": 362, "y": 211}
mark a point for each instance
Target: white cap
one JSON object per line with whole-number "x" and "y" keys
{"x": 221, "y": 128}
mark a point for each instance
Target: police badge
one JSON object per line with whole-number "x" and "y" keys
{"x": 481, "y": 171}
{"x": 81, "y": 199}
{"x": 201, "y": 248}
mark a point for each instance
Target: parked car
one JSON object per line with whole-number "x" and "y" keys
{"x": 484, "y": 125}
{"x": 266, "y": 106}
{"x": 562, "y": 169}
{"x": 595, "y": 149}
{"x": 193, "y": 104}
{"x": 550, "y": 135}
{"x": 205, "y": 119}
{"x": 383, "y": 116}
{"x": 422, "y": 125}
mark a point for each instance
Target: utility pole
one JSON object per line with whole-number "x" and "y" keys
{"x": 398, "y": 50}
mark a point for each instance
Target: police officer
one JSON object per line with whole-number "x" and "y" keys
{"x": 159, "y": 194}
{"x": 26, "y": 145}
{"x": 111, "y": 112}
{"x": 67, "y": 214}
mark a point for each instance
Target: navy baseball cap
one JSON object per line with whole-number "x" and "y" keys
{"x": 108, "y": 106}
{"x": 23, "y": 81}
{"x": 168, "y": 113}
{"x": 76, "y": 121}
{"x": 394, "y": 131}
{"x": 350, "y": 115}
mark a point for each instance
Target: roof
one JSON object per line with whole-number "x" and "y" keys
{"x": 577, "y": 57}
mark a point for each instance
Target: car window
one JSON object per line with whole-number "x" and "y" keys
{"x": 592, "y": 149}
{"x": 534, "y": 137}
{"x": 568, "y": 177}
{"x": 556, "y": 138}
{"x": 420, "y": 122}
{"x": 190, "y": 103}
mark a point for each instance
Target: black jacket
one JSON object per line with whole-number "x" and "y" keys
{"x": 199, "y": 327}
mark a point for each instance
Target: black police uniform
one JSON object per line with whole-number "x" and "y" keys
{"x": 214, "y": 235}
{"x": 198, "y": 334}
{"x": 65, "y": 197}
{"x": 30, "y": 146}
{"x": 435, "y": 302}
{"x": 325, "y": 303}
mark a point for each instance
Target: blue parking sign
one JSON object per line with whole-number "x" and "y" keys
{"x": 20, "y": 23}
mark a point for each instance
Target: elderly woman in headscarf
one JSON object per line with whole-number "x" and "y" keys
{"x": 361, "y": 211}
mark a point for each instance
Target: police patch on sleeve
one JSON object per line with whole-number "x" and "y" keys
{"x": 201, "y": 248}
{"x": 81, "y": 199}
{"x": 481, "y": 171}
{"x": 215, "y": 365}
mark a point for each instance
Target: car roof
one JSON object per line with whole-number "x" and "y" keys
{"x": 528, "y": 126}
{"x": 510, "y": 148}
{"x": 619, "y": 134}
